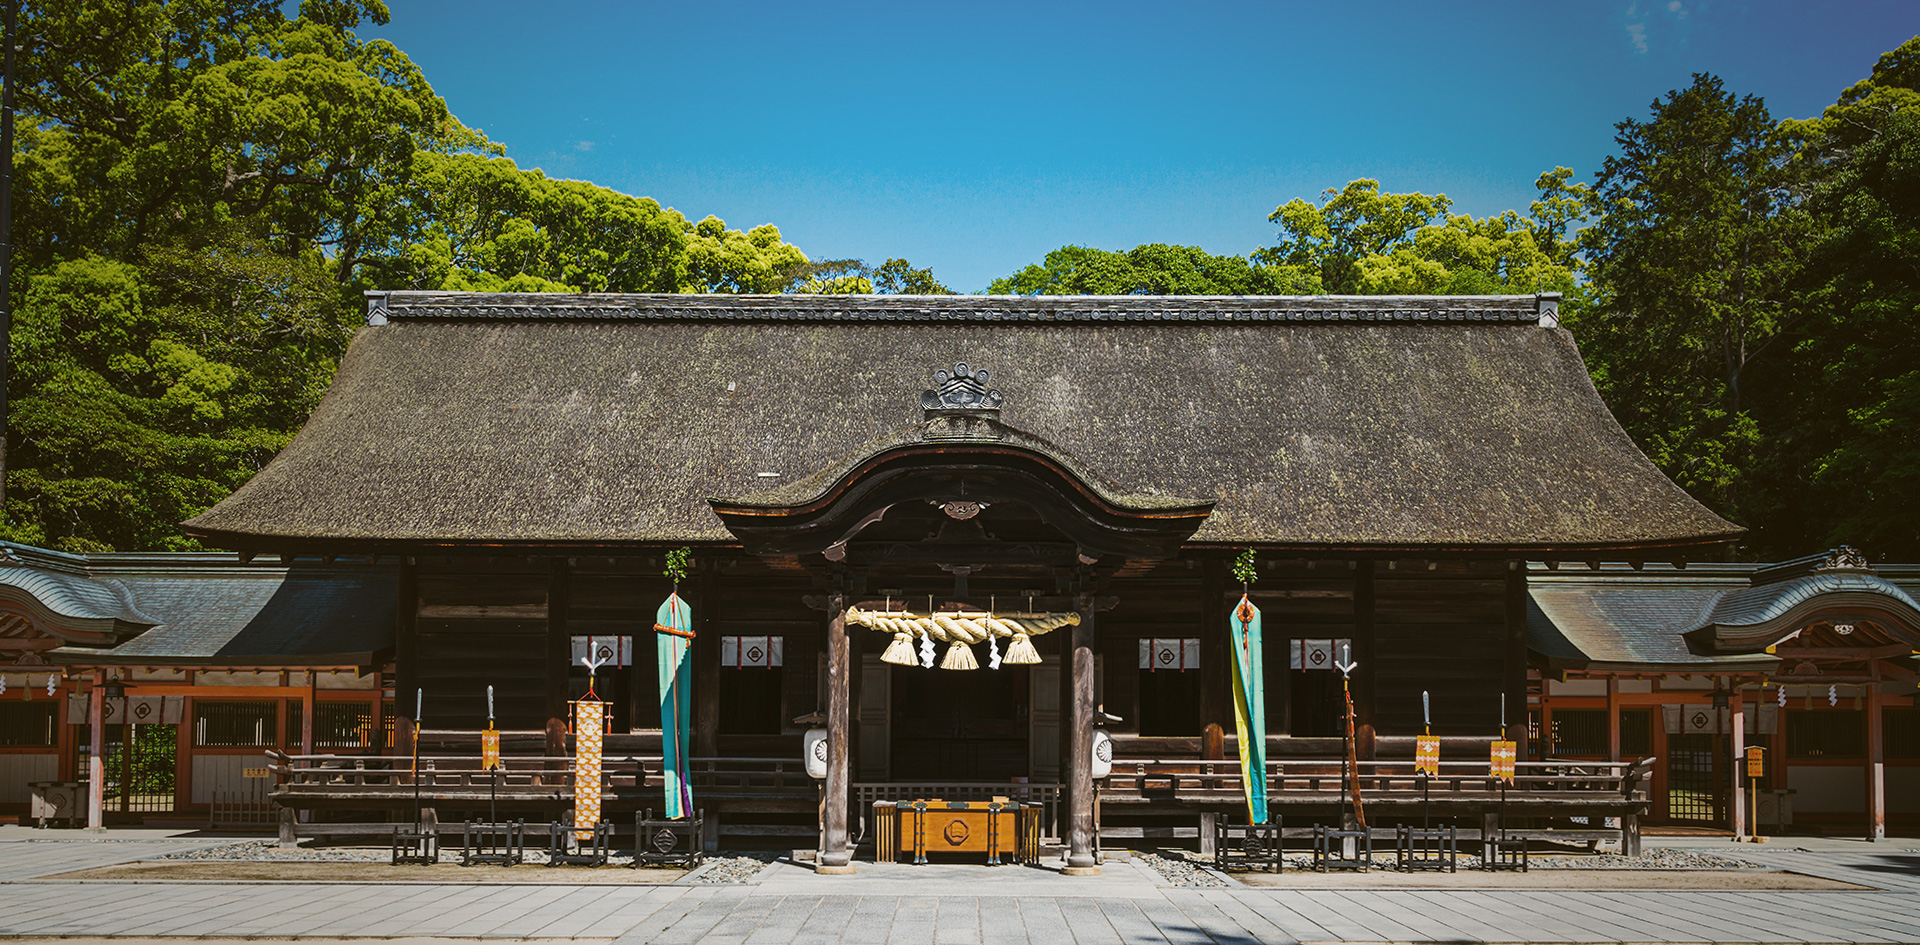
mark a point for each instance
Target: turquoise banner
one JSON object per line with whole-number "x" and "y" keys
{"x": 1250, "y": 706}
{"x": 673, "y": 643}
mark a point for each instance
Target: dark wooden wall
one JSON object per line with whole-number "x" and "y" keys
{"x": 1442, "y": 626}
{"x": 480, "y": 623}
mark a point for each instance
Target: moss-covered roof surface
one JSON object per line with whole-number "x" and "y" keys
{"x": 587, "y": 420}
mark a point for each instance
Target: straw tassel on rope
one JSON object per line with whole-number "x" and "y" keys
{"x": 960, "y": 629}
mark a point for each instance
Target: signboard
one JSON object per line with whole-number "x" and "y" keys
{"x": 1503, "y": 757}
{"x": 1426, "y": 755}
{"x": 1756, "y": 761}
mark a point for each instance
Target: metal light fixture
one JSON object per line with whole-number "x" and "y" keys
{"x": 116, "y": 690}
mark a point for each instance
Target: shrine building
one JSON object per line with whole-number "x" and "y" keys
{"x": 1433, "y": 489}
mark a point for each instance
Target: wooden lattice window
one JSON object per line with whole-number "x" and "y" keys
{"x": 27, "y": 724}
{"x": 237, "y": 724}
{"x": 1826, "y": 733}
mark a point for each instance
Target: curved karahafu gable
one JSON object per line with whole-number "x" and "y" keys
{"x": 535, "y": 420}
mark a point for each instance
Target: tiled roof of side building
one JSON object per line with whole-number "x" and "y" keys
{"x": 215, "y": 610}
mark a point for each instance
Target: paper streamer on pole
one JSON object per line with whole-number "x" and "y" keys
{"x": 1426, "y": 748}
{"x": 1249, "y": 706}
{"x": 589, "y": 729}
{"x": 673, "y": 637}
{"x": 1501, "y": 760}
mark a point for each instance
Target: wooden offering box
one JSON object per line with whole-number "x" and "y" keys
{"x": 998, "y": 828}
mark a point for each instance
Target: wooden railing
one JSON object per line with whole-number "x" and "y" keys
{"x": 348, "y": 774}
{"x": 1576, "y": 782}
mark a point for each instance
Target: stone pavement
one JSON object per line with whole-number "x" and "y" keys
{"x": 956, "y": 904}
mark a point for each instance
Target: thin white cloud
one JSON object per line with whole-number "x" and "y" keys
{"x": 1638, "y": 33}
{"x": 583, "y": 146}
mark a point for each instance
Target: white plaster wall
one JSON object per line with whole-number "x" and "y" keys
{"x": 221, "y": 771}
{"x": 1577, "y": 687}
{"x": 18, "y": 769}
{"x": 1828, "y": 790}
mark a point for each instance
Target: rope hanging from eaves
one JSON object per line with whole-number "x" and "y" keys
{"x": 960, "y": 629}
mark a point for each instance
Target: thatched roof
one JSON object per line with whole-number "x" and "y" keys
{"x": 577, "y": 421}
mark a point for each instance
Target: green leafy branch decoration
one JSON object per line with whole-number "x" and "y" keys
{"x": 1243, "y": 567}
{"x": 677, "y": 561}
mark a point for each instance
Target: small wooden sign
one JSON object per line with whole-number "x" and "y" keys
{"x": 255, "y": 773}
{"x": 1503, "y": 757}
{"x": 1426, "y": 755}
{"x": 1756, "y": 761}
{"x": 489, "y": 748}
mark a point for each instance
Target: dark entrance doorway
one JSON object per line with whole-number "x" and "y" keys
{"x": 950, "y": 725}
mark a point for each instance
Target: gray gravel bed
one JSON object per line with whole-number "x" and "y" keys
{"x": 1654, "y": 859}
{"x": 1179, "y": 871}
{"x": 733, "y": 868}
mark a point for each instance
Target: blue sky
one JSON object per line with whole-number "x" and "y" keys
{"x": 975, "y": 137}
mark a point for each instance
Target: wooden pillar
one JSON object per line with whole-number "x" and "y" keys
{"x": 1737, "y": 712}
{"x": 1613, "y": 716}
{"x": 706, "y": 664}
{"x": 1876, "y": 767}
{"x": 559, "y": 658}
{"x": 309, "y": 703}
{"x": 96, "y": 747}
{"x": 835, "y": 855}
{"x": 1216, "y": 680}
{"x": 1515, "y": 677}
{"x": 376, "y": 722}
{"x": 1365, "y": 653}
{"x": 406, "y": 658}
{"x": 1079, "y": 760}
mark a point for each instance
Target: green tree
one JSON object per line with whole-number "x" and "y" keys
{"x": 1361, "y": 241}
{"x": 149, "y": 392}
{"x": 203, "y": 188}
{"x": 1694, "y": 240}
{"x": 1152, "y": 269}
{"x": 1843, "y": 461}
{"x": 898, "y": 277}
{"x": 1351, "y": 224}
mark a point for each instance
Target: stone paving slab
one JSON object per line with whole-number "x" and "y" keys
{"x": 963, "y": 905}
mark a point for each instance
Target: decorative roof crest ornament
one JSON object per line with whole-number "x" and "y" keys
{"x": 1844, "y": 558}
{"x": 963, "y": 389}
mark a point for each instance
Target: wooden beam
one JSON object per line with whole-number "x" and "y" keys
{"x": 836, "y": 855}
{"x": 1737, "y": 713}
{"x": 406, "y": 657}
{"x": 96, "y": 749}
{"x": 1079, "y": 760}
{"x": 559, "y": 657}
{"x": 1365, "y": 654}
{"x": 1516, "y": 655}
{"x": 1216, "y": 682}
{"x": 309, "y": 701}
{"x": 706, "y": 664}
{"x": 1613, "y": 716}
{"x": 1876, "y": 768}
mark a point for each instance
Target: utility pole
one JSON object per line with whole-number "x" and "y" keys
{"x": 6, "y": 244}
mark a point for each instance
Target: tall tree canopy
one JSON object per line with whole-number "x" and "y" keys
{"x": 202, "y": 191}
{"x": 1694, "y": 241}
{"x": 1152, "y": 269}
{"x": 1842, "y": 409}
